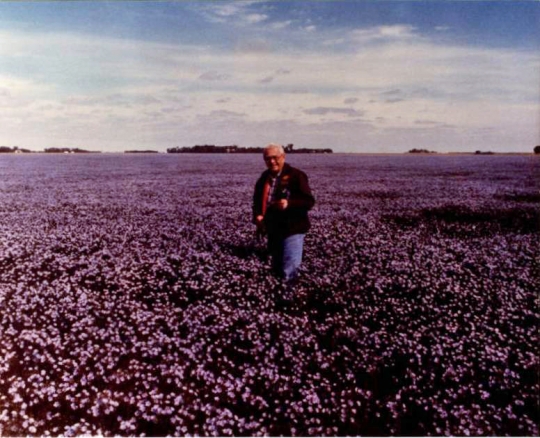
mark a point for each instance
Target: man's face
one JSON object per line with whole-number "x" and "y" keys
{"x": 274, "y": 160}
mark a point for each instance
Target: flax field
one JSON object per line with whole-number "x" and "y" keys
{"x": 135, "y": 299}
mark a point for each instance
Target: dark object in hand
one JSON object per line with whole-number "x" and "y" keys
{"x": 283, "y": 194}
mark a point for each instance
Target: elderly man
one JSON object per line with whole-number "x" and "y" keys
{"x": 281, "y": 202}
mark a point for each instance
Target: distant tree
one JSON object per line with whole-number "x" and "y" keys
{"x": 537, "y": 149}
{"x": 421, "y": 151}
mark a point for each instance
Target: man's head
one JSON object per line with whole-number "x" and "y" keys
{"x": 274, "y": 157}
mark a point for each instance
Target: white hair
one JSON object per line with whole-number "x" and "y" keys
{"x": 275, "y": 146}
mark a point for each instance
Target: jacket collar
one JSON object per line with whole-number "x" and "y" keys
{"x": 286, "y": 169}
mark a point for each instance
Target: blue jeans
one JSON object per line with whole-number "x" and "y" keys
{"x": 286, "y": 255}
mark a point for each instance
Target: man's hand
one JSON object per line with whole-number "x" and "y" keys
{"x": 282, "y": 204}
{"x": 259, "y": 223}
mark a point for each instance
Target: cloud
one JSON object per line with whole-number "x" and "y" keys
{"x": 350, "y": 100}
{"x": 236, "y": 13}
{"x": 216, "y": 12}
{"x": 112, "y": 100}
{"x": 425, "y": 122}
{"x": 394, "y": 92}
{"x": 434, "y": 124}
{"x": 396, "y": 31}
{"x": 225, "y": 113}
{"x": 18, "y": 86}
{"x": 219, "y": 117}
{"x": 279, "y": 25}
{"x": 255, "y": 18}
{"x": 278, "y": 72}
{"x": 381, "y": 33}
{"x": 299, "y": 91}
{"x": 213, "y": 76}
{"x": 256, "y": 45}
{"x": 331, "y": 42}
{"x": 392, "y": 96}
{"x": 169, "y": 110}
{"x": 7, "y": 100}
{"x": 331, "y": 110}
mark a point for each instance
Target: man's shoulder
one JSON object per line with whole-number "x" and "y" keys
{"x": 293, "y": 171}
{"x": 263, "y": 177}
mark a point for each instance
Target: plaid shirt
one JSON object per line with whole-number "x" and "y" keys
{"x": 274, "y": 180}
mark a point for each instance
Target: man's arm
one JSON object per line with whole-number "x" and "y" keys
{"x": 257, "y": 217}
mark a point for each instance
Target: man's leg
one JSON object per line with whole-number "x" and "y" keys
{"x": 275, "y": 249}
{"x": 292, "y": 256}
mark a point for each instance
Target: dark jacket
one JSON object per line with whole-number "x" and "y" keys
{"x": 292, "y": 184}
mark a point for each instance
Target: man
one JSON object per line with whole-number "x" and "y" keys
{"x": 281, "y": 202}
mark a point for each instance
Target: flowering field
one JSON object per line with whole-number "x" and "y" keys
{"x": 134, "y": 299}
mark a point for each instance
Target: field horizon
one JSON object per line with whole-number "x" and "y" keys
{"x": 249, "y": 153}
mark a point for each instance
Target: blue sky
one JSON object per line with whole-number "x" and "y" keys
{"x": 356, "y": 76}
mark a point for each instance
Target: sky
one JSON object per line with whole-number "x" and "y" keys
{"x": 354, "y": 76}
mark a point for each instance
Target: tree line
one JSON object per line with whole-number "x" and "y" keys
{"x": 235, "y": 149}
{"x": 18, "y": 150}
